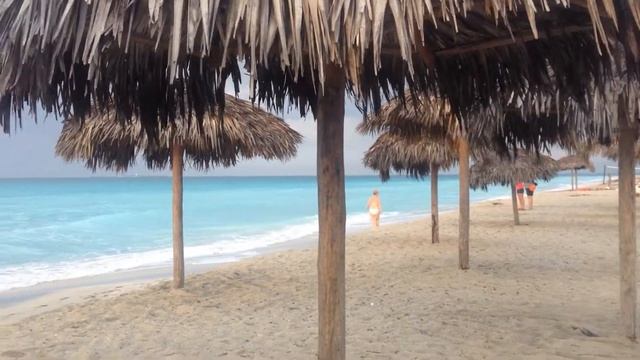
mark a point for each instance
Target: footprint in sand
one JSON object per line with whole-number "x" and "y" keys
{"x": 13, "y": 354}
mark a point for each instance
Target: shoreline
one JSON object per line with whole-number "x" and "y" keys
{"x": 18, "y": 303}
{"x": 162, "y": 271}
{"x": 134, "y": 277}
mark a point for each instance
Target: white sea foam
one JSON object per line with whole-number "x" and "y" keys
{"x": 230, "y": 249}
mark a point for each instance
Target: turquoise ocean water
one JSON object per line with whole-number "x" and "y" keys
{"x": 55, "y": 229}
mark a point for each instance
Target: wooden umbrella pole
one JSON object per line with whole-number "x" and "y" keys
{"x": 178, "y": 245}
{"x": 576, "y": 179}
{"x": 572, "y": 181}
{"x": 332, "y": 217}
{"x": 463, "y": 222}
{"x": 435, "y": 233}
{"x": 627, "y": 223}
{"x": 514, "y": 204}
{"x": 571, "y": 172}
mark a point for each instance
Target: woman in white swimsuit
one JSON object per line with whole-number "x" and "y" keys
{"x": 375, "y": 208}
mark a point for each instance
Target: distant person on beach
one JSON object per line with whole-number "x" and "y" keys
{"x": 375, "y": 208}
{"x": 531, "y": 188}
{"x": 520, "y": 193}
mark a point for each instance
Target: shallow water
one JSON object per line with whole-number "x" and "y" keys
{"x": 56, "y": 229}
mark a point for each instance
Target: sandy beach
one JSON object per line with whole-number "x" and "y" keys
{"x": 547, "y": 289}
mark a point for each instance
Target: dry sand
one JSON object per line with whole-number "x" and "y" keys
{"x": 544, "y": 290}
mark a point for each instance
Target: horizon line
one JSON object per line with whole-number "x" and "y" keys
{"x": 214, "y": 176}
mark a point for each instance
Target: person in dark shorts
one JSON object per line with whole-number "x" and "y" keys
{"x": 520, "y": 194}
{"x": 531, "y": 188}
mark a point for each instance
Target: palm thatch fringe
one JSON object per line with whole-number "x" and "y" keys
{"x": 244, "y": 132}
{"x": 410, "y": 114}
{"x": 71, "y": 55}
{"x": 413, "y": 156}
{"x": 499, "y": 170}
{"x": 575, "y": 162}
{"x": 530, "y": 122}
{"x": 536, "y": 120}
{"x": 611, "y": 151}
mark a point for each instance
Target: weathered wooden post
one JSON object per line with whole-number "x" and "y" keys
{"x": 435, "y": 232}
{"x": 331, "y": 217}
{"x": 627, "y": 219}
{"x": 178, "y": 245}
{"x": 514, "y": 204}
{"x": 573, "y": 181}
{"x": 463, "y": 222}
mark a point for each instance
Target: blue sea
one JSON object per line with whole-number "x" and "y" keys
{"x": 54, "y": 229}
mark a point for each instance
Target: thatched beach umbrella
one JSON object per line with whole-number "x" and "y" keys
{"x": 433, "y": 117}
{"x": 494, "y": 169}
{"x": 418, "y": 157}
{"x": 416, "y": 119}
{"x": 574, "y": 163}
{"x": 244, "y": 132}
{"x": 156, "y": 59}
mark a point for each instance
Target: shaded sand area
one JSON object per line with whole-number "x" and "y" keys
{"x": 544, "y": 290}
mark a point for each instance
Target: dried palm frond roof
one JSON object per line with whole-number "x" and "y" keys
{"x": 410, "y": 114}
{"x": 575, "y": 162}
{"x": 414, "y": 156}
{"x": 495, "y": 169}
{"x": 68, "y": 56}
{"x": 530, "y": 122}
{"x": 536, "y": 120}
{"x": 611, "y": 151}
{"x": 244, "y": 132}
